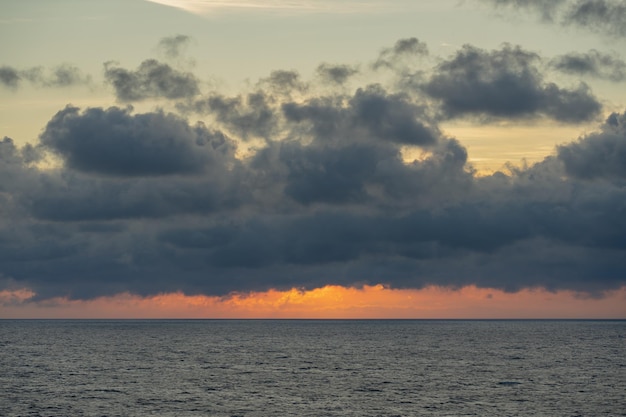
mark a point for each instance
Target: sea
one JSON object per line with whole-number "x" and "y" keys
{"x": 312, "y": 368}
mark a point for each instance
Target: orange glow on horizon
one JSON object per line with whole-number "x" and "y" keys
{"x": 329, "y": 302}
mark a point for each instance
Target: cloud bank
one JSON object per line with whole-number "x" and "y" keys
{"x": 151, "y": 202}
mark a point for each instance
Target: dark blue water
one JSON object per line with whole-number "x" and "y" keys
{"x": 312, "y": 368}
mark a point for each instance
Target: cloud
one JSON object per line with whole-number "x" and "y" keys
{"x": 152, "y": 79}
{"x": 249, "y": 116}
{"x": 336, "y": 74}
{"x": 600, "y": 154}
{"x": 9, "y": 76}
{"x": 547, "y": 8}
{"x": 150, "y": 202}
{"x": 284, "y": 82}
{"x": 323, "y": 206}
{"x": 505, "y": 83}
{"x": 74, "y": 197}
{"x": 330, "y": 175}
{"x": 16, "y": 174}
{"x": 64, "y": 75}
{"x": 402, "y": 49}
{"x": 592, "y": 63}
{"x": 174, "y": 46}
{"x": 114, "y": 142}
{"x": 603, "y": 16}
{"x": 371, "y": 113}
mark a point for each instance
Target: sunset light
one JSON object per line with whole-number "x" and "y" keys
{"x": 329, "y": 302}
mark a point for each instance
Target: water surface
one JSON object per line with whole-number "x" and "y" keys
{"x": 312, "y": 368}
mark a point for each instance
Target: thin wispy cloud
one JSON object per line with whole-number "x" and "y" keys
{"x": 207, "y": 7}
{"x": 607, "y": 17}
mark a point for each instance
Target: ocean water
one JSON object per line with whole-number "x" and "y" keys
{"x": 312, "y": 368}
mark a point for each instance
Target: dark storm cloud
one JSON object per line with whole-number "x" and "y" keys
{"x": 336, "y": 74}
{"x": 403, "y": 48}
{"x": 600, "y": 154}
{"x": 501, "y": 241}
{"x": 330, "y": 175}
{"x": 505, "y": 83}
{"x": 72, "y": 197}
{"x": 392, "y": 117}
{"x": 152, "y": 79}
{"x": 329, "y": 236}
{"x": 149, "y": 203}
{"x": 16, "y": 174}
{"x": 371, "y": 112}
{"x": 64, "y": 75}
{"x": 173, "y": 46}
{"x": 114, "y": 142}
{"x": 11, "y": 161}
{"x": 311, "y": 212}
{"x": 592, "y": 63}
{"x": 603, "y": 16}
{"x": 363, "y": 171}
{"x": 119, "y": 165}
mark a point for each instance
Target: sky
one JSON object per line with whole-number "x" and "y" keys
{"x": 313, "y": 159}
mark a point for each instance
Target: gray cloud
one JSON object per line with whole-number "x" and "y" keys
{"x": 403, "y": 48}
{"x": 248, "y": 116}
{"x": 505, "y": 83}
{"x": 284, "y": 82}
{"x": 606, "y": 16}
{"x": 9, "y": 76}
{"x": 12, "y": 163}
{"x": 330, "y": 236}
{"x": 371, "y": 112}
{"x": 16, "y": 173}
{"x": 149, "y": 203}
{"x": 547, "y": 8}
{"x": 600, "y": 154}
{"x": 64, "y": 75}
{"x": 336, "y": 74}
{"x": 592, "y": 63}
{"x": 603, "y": 16}
{"x": 114, "y": 142}
{"x": 74, "y": 197}
{"x": 331, "y": 175}
{"x": 152, "y": 79}
{"x": 311, "y": 211}
{"x": 174, "y": 46}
